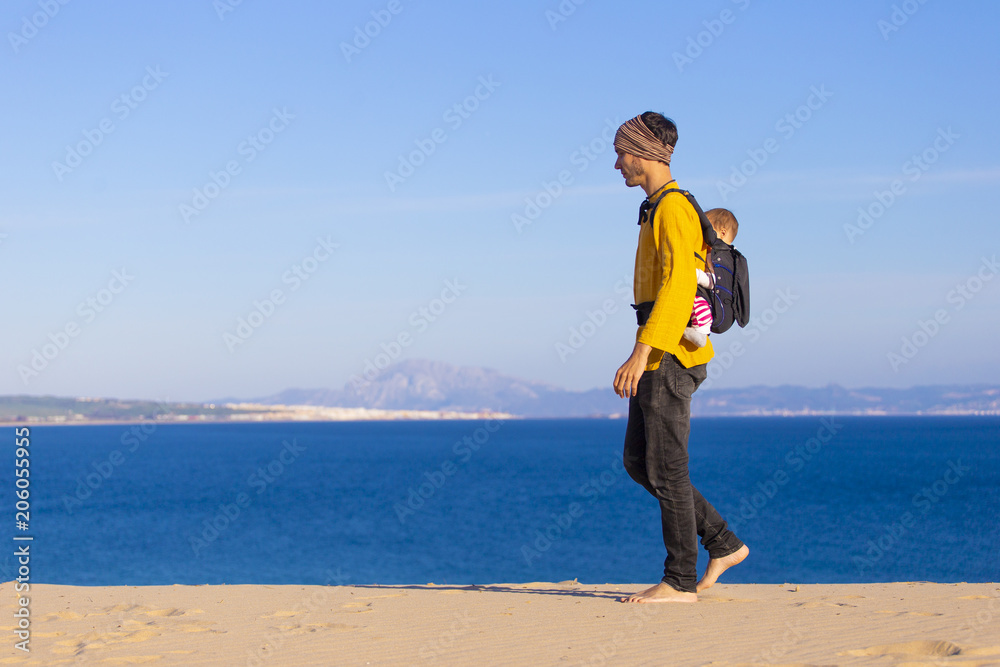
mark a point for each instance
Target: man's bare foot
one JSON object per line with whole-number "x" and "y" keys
{"x": 717, "y": 566}
{"x": 662, "y": 592}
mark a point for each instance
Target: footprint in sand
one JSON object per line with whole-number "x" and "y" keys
{"x": 11, "y": 628}
{"x": 824, "y": 599}
{"x": 909, "y": 613}
{"x": 61, "y": 616}
{"x": 100, "y": 640}
{"x": 300, "y": 629}
{"x": 926, "y": 648}
{"x": 197, "y": 626}
{"x": 115, "y": 617}
{"x": 165, "y": 612}
{"x": 119, "y": 608}
{"x": 131, "y": 660}
{"x": 283, "y": 614}
{"x": 181, "y": 625}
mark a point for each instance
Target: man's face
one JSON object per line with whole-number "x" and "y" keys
{"x": 631, "y": 168}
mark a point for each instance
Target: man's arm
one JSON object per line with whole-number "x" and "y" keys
{"x": 679, "y": 236}
{"x": 627, "y": 377}
{"x": 679, "y": 233}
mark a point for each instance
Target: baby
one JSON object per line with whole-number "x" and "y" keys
{"x": 725, "y": 225}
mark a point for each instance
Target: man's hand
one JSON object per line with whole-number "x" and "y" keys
{"x": 627, "y": 377}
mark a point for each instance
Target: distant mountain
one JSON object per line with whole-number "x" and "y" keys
{"x": 430, "y": 385}
{"x": 833, "y": 399}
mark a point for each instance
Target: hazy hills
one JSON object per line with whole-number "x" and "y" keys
{"x": 433, "y": 385}
{"x": 418, "y": 389}
{"x": 430, "y": 385}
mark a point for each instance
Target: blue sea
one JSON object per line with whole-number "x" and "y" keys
{"x": 818, "y": 500}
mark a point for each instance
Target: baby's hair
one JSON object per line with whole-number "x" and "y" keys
{"x": 723, "y": 220}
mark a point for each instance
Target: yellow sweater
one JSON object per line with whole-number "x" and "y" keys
{"x": 664, "y": 273}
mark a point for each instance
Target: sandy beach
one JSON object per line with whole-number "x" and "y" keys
{"x": 567, "y": 623}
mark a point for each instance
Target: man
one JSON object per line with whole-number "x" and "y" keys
{"x": 664, "y": 370}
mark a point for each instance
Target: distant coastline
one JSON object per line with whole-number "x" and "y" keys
{"x": 112, "y": 411}
{"x": 56, "y": 411}
{"x": 417, "y": 389}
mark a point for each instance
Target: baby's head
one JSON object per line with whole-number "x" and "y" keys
{"x": 724, "y": 223}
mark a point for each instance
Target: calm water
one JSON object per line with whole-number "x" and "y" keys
{"x": 855, "y": 500}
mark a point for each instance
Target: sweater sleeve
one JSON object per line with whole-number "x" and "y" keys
{"x": 677, "y": 235}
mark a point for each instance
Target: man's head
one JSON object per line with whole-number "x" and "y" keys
{"x": 644, "y": 146}
{"x": 662, "y": 128}
{"x": 724, "y": 223}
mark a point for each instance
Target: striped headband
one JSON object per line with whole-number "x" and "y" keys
{"x": 634, "y": 138}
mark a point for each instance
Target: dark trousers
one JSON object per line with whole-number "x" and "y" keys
{"x": 656, "y": 438}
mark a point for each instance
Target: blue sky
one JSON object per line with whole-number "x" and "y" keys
{"x": 226, "y": 163}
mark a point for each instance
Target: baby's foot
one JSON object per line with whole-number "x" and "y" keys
{"x": 695, "y": 336}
